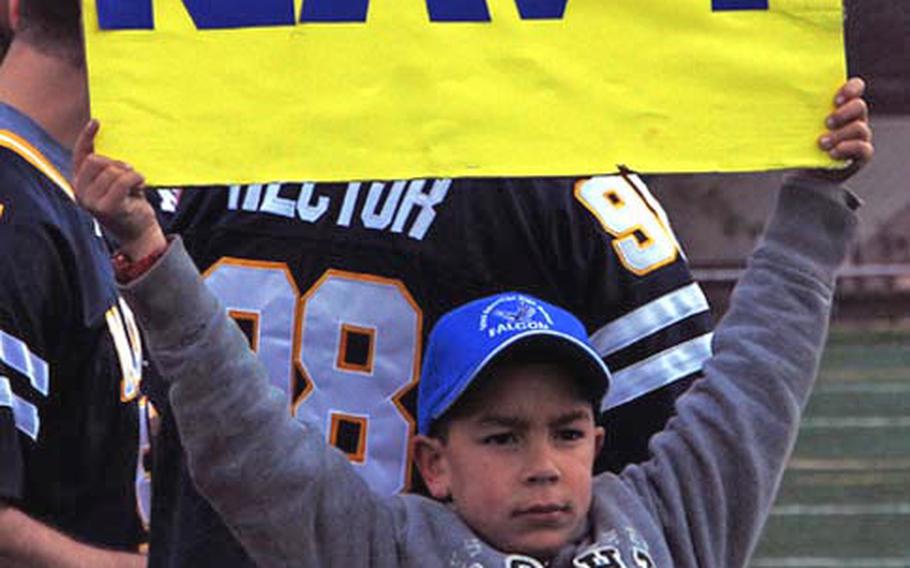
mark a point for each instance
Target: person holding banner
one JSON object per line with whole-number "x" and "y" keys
{"x": 70, "y": 357}
{"x": 337, "y": 286}
{"x": 510, "y": 388}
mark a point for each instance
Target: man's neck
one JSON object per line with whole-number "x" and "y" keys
{"x": 50, "y": 90}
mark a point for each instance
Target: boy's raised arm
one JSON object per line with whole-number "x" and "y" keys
{"x": 287, "y": 496}
{"x": 716, "y": 469}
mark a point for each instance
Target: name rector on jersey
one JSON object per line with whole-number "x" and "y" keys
{"x": 69, "y": 352}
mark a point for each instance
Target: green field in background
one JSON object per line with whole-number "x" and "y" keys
{"x": 845, "y": 500}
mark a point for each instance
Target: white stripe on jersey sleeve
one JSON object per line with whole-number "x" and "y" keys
{"x": 657, "y": 371}
{"x": 16, "y": 354}
{"x": 644, "y": 321}
{"x": 169, "y": 198}
{"x": 24, "y": 414}
{"x": 6, "y": 393}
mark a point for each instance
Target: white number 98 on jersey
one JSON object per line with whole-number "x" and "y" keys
{"x": 356, "y": 341}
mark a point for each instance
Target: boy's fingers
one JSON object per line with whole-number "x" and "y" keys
{"x": 856, "y": 130}
{"x": 126, "y": 183}
{"x": 85, "y": 144}
{"x": 112, "y": 202}
{"x": 855, "y": 150}
{"x": 101, "y": 185}
{"x": 855, "y": 109}
{"x": 852, "y": 89}
{"x": 92, "y": 166}
{"x": 95, "y": 197}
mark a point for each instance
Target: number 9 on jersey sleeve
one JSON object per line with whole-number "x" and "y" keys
{"x": 643, "y": 240}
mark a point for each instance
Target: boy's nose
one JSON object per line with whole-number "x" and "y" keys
{"x": 541, "y": 467}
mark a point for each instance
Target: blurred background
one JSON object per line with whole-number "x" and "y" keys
{"x": 845, "y": 501}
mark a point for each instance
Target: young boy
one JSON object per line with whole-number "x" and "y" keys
{"x": 505, "y": 409}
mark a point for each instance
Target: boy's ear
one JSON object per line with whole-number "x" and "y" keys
{"x": 431, "y": 458}
{"x": 10, "y": 17}
{"x": 599, "y": 437}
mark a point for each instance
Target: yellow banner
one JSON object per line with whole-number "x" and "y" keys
{"x": 234, "y": 91}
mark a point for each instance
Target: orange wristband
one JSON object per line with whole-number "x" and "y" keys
{"x": 126, "y": 270}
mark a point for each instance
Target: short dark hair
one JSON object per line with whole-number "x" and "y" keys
{"x": 520, "y": 356}
{"x": 53, "y": 26}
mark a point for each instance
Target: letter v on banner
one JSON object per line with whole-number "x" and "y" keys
{"x": 477, "y": 10}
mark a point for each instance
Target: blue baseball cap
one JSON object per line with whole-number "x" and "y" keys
{"x": 470, "y": 338}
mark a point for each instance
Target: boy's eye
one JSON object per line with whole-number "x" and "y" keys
{"x": 500, "y": 439}
{"x": 570, "y": 434}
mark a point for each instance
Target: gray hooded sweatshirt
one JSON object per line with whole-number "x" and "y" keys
{"x": 699, "y": 501}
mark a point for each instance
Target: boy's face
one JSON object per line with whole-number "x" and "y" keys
{"x": 518, "y": 464}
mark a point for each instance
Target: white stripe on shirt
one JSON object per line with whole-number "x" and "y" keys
{"x": 658, "y": 370}
{"x": 16, "y": 354}
{"x": 638, "y": 324}
{"x": 24, "y": 414}
{"x": 6, "y": 393}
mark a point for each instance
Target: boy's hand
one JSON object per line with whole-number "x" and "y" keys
{"x": 115, "y": 194}
{"x": 849, "y": 137}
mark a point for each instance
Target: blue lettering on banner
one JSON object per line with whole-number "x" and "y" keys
{"x": 542, "y": 9}
{"x": 477, "y": 10}
{"x": 240, "y": 13}
{"x": 207, "y": 15}
{"x": 458, "y": 10}
{"x": 342, "y": 11}
{"x": 226, "y": 14}
{"x": 726, "y": 5}
{"x": 125, "y": 15}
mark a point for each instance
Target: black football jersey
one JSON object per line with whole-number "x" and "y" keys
{"x": 338, "y": 285}
{"x": 70, "y": 356}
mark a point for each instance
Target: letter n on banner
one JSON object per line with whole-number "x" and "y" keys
{"x": 207, "y": 15}
{"x": 126, "y": 15}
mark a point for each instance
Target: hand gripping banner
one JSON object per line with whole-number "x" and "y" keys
{"x": 233, "y": 91}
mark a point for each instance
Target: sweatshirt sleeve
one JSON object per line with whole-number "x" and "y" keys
{"x": 286, "y": 495}
{"x": 715, "y": 471}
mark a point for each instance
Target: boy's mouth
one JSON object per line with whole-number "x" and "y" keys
{"x": 543, "y": 512}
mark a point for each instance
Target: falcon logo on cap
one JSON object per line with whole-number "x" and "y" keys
{"x": 514, "y": 313}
